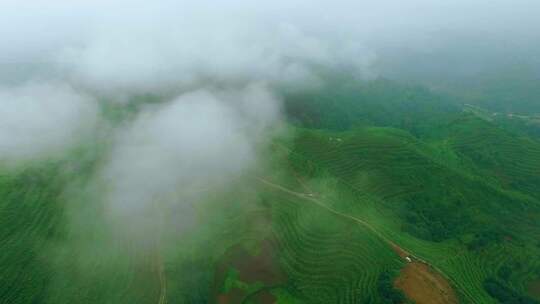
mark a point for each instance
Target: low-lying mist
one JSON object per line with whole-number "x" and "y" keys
{"x": 40, "y": 120}
{"x": 176, "y": 151}
{"x": 216, "y": 69}
{"x": 180, "y": 99}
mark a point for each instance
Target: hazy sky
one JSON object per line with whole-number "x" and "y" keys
{"x": 130, "y": 47}
{"x": 151, "y": 44}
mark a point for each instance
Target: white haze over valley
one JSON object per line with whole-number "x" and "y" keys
{"x": 196, "y": 142}
{"x": 42, "y": 119}
{"x": 216, "y": 63}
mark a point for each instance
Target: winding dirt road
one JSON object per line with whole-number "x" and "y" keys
{"x": 403, "y": 253}
{"x": 162, "y": 280}
{"x": 308, "y": 196}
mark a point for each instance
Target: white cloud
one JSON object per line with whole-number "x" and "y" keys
{"x": 197, "y": 141}
{"x": 39, "y": 120}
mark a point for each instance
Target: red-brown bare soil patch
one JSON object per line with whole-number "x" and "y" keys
{"x": 234, "y": 295}
{"x": 264, "y": 297}
{"x": 262, "y": 267}
{"x": 423, "y": 285}
{"x": 533, "y": 289}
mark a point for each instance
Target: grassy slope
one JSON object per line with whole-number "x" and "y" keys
{"x": 462, "y": 198}
{"x": 327, "y": 259}
{"x": 28, "y": 220}
{"x": 513, "y": 159}
{"x": 411, "y": 183}
{"x": 44, "y": 259}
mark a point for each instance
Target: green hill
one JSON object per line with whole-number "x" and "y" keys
{"x": 372, "y": 180}
{"x": 435, "y": 199}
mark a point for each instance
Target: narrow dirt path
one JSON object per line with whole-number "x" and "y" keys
{"x": 319, "y": 203}
{"x": 160, "y": 268}
{"x": 403, "y": 253}
{"x": 162, "y": 280}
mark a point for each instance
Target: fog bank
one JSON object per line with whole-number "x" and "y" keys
{"x": 41, "y": 119}
{"x": 173, "y": 153}
{"x": 216, "y": 63}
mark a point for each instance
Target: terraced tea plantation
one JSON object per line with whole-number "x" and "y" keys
{"x": 370, "y": 212}
{"x": 328, "y": 259}
{"x": 476, "y": 228}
